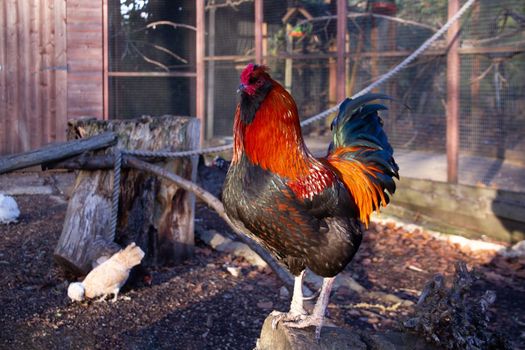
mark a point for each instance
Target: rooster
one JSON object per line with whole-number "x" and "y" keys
{"x": 308, "y": 212}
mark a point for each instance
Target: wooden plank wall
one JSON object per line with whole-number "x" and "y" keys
{"x": 50, "y": 71}
{"x": 32, "y": 75}
{"x": 85, "y": 58}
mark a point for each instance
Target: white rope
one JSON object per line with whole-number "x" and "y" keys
{"x": 400, "y": 66}
{"x": 116, "y": 192}
{"x": 334, "y": 109}
{"x": 166, "y": 154}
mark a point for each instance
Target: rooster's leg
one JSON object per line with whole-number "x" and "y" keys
{"x": 296, "y": 307}
{"x": 317, "y": 316}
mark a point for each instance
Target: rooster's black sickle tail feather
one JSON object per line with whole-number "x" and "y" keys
{"x": 360, "y": 151}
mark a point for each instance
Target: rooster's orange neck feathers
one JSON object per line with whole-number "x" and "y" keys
{"x": 273, "y": 139}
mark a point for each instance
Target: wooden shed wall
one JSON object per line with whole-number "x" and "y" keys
{"x": 85, "y": 57}
{"x": 51, "y": 69}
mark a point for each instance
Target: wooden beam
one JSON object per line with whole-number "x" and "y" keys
{"x": 55, "y": 151}
{"x": 210, "y": 94}
{"x": 391, "y": 53}
{"x": 341, "y": 36}
{"x": 258, "y": 31}
{"x": 453, "y": 91}
{"x": 288, "y": 62}
{"x": 200, "y": 92}
{"x": 237, "y": 58}
{"x": 85, "y": 161}
{"x": 154, "y": 74}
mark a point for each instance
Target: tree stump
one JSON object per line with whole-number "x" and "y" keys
{"x": 154, "y": 213}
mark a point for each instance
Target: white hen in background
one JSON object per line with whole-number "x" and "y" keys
{"x": 108, "y": 277}
{"x": 9, "y": 211}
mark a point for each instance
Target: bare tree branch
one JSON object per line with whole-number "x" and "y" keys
{"x": 171, "y": 24}
{"x": 227, "y": 3}
{"x": 149, "y": 60}
{"x": 163, "y": 49}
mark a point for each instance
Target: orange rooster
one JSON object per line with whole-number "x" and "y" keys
{"x": 308, "y": 212}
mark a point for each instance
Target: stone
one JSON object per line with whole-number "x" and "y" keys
{"x": 284, "y": 293}
{"x": 286, "y": 338}
{"x": 234, "y": 271}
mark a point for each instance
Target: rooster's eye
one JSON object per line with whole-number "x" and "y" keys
{"x": 252, "y": 80}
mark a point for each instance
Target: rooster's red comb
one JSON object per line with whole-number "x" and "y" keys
{"x": 248, "y": 70}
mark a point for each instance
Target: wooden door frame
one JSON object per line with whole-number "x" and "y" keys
{"x": 105, "y": 60}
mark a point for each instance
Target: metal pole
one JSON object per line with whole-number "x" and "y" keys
{"x": 341, "y": 36}
{"x": 200, "y": 86}
{"x": 258, "y": 31}
{"x": 453, "y": 90}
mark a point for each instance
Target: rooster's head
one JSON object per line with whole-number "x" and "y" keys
{"x": 254, "y": 79}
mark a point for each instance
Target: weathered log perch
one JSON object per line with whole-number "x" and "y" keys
{"x": 154, "y": 213}
{"x": 56, "y": 151}
{"x": 286, "y": 338}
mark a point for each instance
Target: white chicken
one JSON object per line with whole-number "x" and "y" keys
{"x": 108, "y": 277}
{"x": 9, "y": 211}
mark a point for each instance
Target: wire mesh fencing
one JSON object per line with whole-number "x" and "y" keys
{"x": 299, "y": 47}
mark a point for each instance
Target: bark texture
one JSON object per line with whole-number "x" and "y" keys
{"x": 155, "y": 213}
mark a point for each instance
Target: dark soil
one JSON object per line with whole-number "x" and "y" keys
{"x": 199, "y": 305}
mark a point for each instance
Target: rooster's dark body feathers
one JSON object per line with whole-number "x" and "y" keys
{"x": 308, "y": 212}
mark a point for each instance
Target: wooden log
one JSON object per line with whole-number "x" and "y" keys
{"x": 90, "y": 162}
{"x": 56, "y": 151}
{"x": 154, "y": 213}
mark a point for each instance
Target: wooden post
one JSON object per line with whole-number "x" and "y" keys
{"x": 105, "y": 52}
{"x": 156, "y": 214}
{"x": 201, "y": 68}
{"x": 453, "y": 90}
{"x": 332, "y": 80}
{"x": 264, "y": 42}
{"x": 288, "y": 62}
{"x": 374, "y": 70}
{"x": 392, "y": 84}
{"x": 341, "y": 36}
{"x": 210, "y": 96}
{"x": 475, "y": 110}
{"x": 258, "y": 31}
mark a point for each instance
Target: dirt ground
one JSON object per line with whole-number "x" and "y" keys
{"x": 200, "y": 305}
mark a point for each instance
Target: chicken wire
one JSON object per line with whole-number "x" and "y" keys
{"x": 151, "y": 44}
{"x": 492, "y": 111}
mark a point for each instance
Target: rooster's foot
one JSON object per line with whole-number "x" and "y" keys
{"x": 285, "y": 317}
{"x": 305, "y": 321}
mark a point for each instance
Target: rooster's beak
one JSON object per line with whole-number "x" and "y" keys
{"x": 240, "y": 88}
